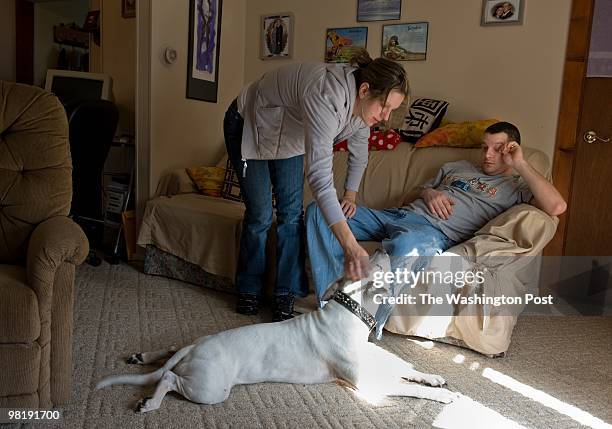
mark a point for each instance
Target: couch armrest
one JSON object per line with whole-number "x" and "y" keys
{"x": 521, "y": 230}
{"x": 56, "y": 240}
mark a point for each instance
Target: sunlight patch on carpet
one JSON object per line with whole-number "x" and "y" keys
{"x": 545, "y": 399}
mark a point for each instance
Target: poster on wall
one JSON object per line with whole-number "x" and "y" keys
{"x": 276, "y": 36}
{"x": 405, "y": 42}
{"x": 378, "y": 10}
{"x": 341, "y": 43}
{"x": 203, "y": 50}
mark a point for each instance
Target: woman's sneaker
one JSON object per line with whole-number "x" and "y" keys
{"x": 283, "y": 308}
{"x": 247, "y": 304}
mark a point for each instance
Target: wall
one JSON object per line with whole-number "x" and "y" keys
{"x": 183, "y": 131}
{"x": 46, "y": 15}
{"x": 7, "y": 40}
{"x": 506, "y": 72}
{"x": 119, "y": 61}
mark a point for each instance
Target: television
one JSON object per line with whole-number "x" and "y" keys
{"x": 73, "y": 86}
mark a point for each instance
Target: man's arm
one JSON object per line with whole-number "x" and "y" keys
{"x": 545, "y": 195}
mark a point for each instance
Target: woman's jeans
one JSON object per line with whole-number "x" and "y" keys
{"x": 257, "y": 179}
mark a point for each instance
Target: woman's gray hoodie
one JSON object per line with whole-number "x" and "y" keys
{"x": 304, "y": 109}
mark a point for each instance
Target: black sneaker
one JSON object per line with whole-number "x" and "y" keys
{"x": 283, "y": 308}
{"x": 248, "y": 304}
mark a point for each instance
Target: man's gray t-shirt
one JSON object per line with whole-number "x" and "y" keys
{"x": 478, "y": 198}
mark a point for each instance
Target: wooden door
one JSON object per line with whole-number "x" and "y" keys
{"x": 589, "y": 218}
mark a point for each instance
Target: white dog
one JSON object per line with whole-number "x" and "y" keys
{"x": 330, "y": 344}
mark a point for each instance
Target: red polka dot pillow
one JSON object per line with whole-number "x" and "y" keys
{"x": 379, "y": 140}
{"x": 384, "y": 140}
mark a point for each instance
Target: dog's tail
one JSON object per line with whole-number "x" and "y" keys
{"x": 144, "y": 379}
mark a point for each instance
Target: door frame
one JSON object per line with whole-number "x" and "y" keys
{"x": 143, "y": 107}
{"x": 574, "y": 75}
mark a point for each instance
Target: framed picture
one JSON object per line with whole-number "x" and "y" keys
{"x": 128, "y": 8}
{"x": 341, "y": 43}
{"x": 203, "y": 51}
{"x": 378, "y": 10}
{"x": 276, "y": 36}
{"x": 405, "y": 42}
{"x": 496, "y": 12}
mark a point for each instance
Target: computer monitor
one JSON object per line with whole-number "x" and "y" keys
{"x": 71, "y": 86}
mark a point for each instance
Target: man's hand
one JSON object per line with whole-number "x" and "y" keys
{"x": 512, "y": 154}
{"x": 348, "y": 204}
{"x": 438, "y": 203}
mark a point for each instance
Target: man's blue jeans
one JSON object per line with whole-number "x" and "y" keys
{"x": 286, "y": 176}
{"x": 401, "y": 232}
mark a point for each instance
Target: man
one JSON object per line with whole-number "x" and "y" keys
{"x": 451, "y": 208}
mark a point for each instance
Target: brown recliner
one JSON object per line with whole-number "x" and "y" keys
{"x": 39, "y": 249}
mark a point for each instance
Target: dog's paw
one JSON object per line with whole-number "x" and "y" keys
{"x": 142, "y": 407}
{"x": 434, "y": 380}
{"x": 135, "y": 359}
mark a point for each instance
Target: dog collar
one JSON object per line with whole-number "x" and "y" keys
{"x": 353, "y": 306}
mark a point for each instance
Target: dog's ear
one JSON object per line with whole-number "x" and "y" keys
{"x": 379, "y": 261}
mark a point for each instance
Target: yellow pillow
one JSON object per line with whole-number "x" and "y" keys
{"x": 208, "y": 180}
{"x": 465, "y": 134}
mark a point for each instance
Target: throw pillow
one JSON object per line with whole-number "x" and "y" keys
{"x": 378, "y": 140}
{"x": 424, "y": 115}
{"x": 208, "y": 180}
{"x": 465, "y": 134}
{"x": 384, "y": 140}
{"x": 231, "y": 186}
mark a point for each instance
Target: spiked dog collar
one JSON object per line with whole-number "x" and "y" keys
{"x": 353, "y": 306}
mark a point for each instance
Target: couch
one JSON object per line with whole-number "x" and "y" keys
{"x": 182, "y": 225}
{"x": 39, "y": 249}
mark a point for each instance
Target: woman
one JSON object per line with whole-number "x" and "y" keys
{"x": 290, "y": 118}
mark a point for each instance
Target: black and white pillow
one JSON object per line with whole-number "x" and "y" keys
{"x": 424, "y": 115}
{"x": 231, "y": 186}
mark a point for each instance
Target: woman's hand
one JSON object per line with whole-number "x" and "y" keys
{"x": 356, "y": 259}
{"x": 348, "y": 204}
{"x": 438, "y": 203}
{"x": 356, "y": 262}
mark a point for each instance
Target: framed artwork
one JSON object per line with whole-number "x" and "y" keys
{"x": 203, "y": 51}
{"x": 128, "y": 8}
{"x": 405, "y": 42}
{"x": 378, "y": 10}
{"x": 496, "y": 12}
{"x": 276, "y": 36}
{"x": 341, "y": 43}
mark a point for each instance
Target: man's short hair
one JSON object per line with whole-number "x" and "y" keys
{"x": 505, "y": 127}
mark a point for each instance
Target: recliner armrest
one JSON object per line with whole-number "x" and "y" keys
{"x": 521, "y": 230}
{"x": 56, "y": 240}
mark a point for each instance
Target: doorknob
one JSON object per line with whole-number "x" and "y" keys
{"x": 592, "y": 137}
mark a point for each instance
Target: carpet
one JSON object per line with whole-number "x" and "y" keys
{"x": 557, "y": 373}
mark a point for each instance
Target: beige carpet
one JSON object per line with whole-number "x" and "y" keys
{"x": 563, "y": 362}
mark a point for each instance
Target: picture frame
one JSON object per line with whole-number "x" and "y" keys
{"x": 276, "y": 34}
{"x": 128, "y": 8}
{"x": 340, "y": 43}
{"x": 405, "y": 42}
{"x": 204, "y": 45}
{"x": 378, "y": 10}
{"x": 502, "y": 12}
